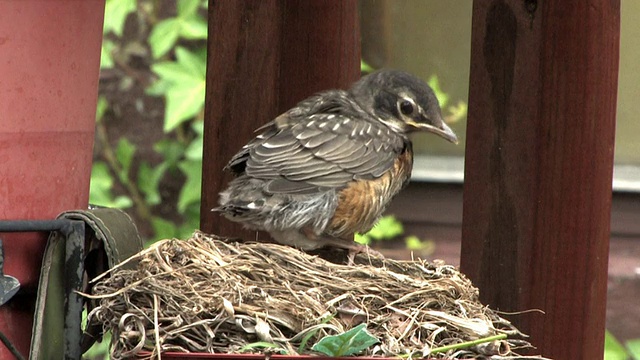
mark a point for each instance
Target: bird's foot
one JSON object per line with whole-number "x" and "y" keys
{"x": 352, "y": 247}
{"x": 355, "y": 249}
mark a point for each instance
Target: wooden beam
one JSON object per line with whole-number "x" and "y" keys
{"x": 537, "y": 192}
{"x": 263, "y": 57}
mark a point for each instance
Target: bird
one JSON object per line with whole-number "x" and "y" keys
{"x": 328, "y": 167}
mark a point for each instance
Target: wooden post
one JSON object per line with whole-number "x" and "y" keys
{"x": 263, "y": 57}
{"x": 537, "y": 192}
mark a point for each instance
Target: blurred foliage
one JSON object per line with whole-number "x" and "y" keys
{"x": 179, "y": 66}
{"x": 451, "y": 113}
{"x": 615, "y": 350}
{"x": 174, "y": 41}
{"x": 389, "y": 228}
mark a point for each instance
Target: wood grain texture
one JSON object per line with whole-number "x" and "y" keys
{"x": 537, "y": 192}
{"x": 263, "y": 57}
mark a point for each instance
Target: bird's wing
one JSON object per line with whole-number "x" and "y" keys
{"x": 324, "y": 150}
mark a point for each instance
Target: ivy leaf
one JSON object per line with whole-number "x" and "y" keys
{"x": 115, "y": 14}
{"x": 187, "y": 8}
{"x": 365, "y": 67}
{"x": 162, "y": 229}
{"x": 101, "y": 107}
{"x": 414, "y": 243}
{"x": 124, "y": 154}
{"x": 192, "y": 221}
{"x": 190, "y": 192}
{"x": 174, "y": 73}
{"x": 100, "y": 188}
{"x": 362, "y": 239}
{"x": 106, "y": 59}
{"x": 457, "y": 112}
{"x": 613, "y": 350}
{"x": 194, "y": 28}
{"x": 443, "y": 98}
{"x": 158, "y": 87}
{"x": 387, "y": 227}
{"x": 348, "y": 343}
{"x": 195, "y": 148}
{"x": 184, "y": 87}
{"x": 194, "y": 64}
{"x": 163, "y": 36}
{"x": 634, "y": 348}
{"x": 149, "y": 181}
{"x": 183, "y": 103}
{"x": 170, "y": 150}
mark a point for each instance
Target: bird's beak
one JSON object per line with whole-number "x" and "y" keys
{"x": 442, "y": 130}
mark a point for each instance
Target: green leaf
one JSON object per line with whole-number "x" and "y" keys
{"x": 101, "y": 186}
{"x": 193, "y": 222}
{"x": 362, "y": 239}
{"x": 365, "y": 67}
{"x": 634, "y": 348}
{"x": 163, "y": 229}
{"x": 467, "y": 344}
{"x": 184, "y": 89}
{"x": 613, "y": 350}
{"x": 115, "y": 14}
{"x": 101, "y": 183}
{"x": 305, "y": 339}
{"x": 158, "y": 88}
{"x": 163, "y": 36}
{"x": 348, "y": 343}
{"x": 387, "y": 227}
{"x": 194, "y": 28}
{"x": 99, "y": 349}
{"x": 101, "y": 107}
{"x": 190, "y": 192}
{"x": 195, "y": 148}
{"x": 119, "y": 202}
{"x": 183, "y": 103}
{"x": 187, "y": 8}
{"x": 124, "y": 154}
{"x": 194, "y": 63}
{"x": 170, "y": 150}
{"x": 149, "y": 181}
{"x": 175, "y": 73}
{"x": 414, "y": 243}
{"x": 443, "y": 98}
{"x": 106, "y": 59}
{"x": 457, "y": 112}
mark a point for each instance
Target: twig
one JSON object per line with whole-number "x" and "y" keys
{"x": 467, "y": 344}
{"x": 156, "y": 326}
{"x": 109, "y": 155}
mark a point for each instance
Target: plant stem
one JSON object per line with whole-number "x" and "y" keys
{"x": 467, "y": 344}
{"x": 109, "y": 155}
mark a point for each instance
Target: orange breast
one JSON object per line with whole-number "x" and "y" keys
{"x": 363, "y": 201}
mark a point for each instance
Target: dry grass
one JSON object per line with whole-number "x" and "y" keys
{"x": 207, "y": 295}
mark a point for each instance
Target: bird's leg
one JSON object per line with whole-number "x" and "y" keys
{"x": 353, "y": 248}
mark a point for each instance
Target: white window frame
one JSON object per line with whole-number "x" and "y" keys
{"x": 450, "y": 169}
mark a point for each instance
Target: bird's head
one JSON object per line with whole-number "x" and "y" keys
{"x": 403, "y": 102}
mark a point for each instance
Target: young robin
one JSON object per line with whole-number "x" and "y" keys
{"x": 328, "y": 167}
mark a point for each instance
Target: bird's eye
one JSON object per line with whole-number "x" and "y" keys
{"x": 406, "y": 107}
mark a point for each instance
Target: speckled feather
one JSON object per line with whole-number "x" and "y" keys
{"x": 324, "y": 169}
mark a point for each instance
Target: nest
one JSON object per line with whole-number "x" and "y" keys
{"x": 208, "y": 295}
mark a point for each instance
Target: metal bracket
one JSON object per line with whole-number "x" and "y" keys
{"x": 73, "y": 231}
